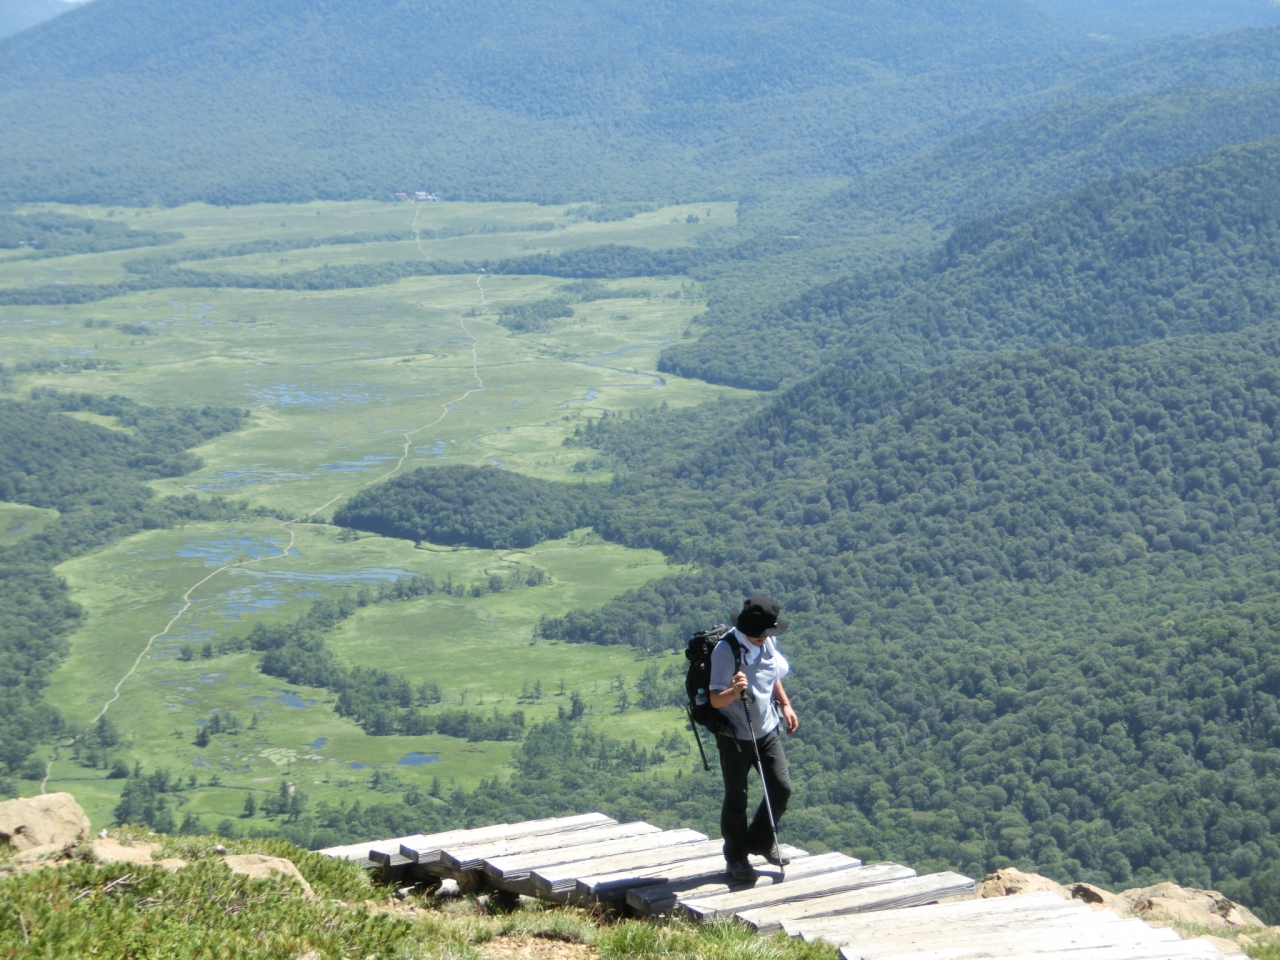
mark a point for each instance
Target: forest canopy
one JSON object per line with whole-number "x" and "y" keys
{"x": 1028, "y": 599}
{"x": 1188, "y": 249}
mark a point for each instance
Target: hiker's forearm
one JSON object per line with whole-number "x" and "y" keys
{"x": 721, "y": 699}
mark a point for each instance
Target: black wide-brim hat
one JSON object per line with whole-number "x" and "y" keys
{"x": 759, "y": 617}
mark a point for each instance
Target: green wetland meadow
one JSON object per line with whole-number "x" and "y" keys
{"x": 345, "y": 390}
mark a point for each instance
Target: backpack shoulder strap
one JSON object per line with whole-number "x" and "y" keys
{"x": 736, "y": 647}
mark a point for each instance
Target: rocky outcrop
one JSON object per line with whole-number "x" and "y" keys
{"x": 110, "y": 850}
{"x": 1011, "y": 882}
{"x": 1103, "y": 899}
{"x": 259, "y": 866}
{"x": 1162, "y": 903}
{"x": 52, "y": 821}
{"x": 1171, "y": 903}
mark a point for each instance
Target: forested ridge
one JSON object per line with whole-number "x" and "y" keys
{"x": 246, "y": 88}
{"x": 308, "y": 100}
{"x": 1187, "y": 249}
{"x": 903, "y": 211}
{"x": 1063, "y": 148}
{"x": 96, "y": 478}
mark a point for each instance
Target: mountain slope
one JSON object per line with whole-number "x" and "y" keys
{"x": 330, "y": 98}
{"x": 1057, "y": 150}
{"x": 142, "y": 101}
{"x": 909, "y": 208}
{"x": 1192, "y": 248}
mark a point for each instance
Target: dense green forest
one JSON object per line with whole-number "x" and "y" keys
{"x": 1190, "y": 248}
{"x": 906, "y": 209}
{"x": 96, "y": 479}
{"x": 1032, "y": 597}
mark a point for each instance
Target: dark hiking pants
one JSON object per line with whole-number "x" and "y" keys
{"x": 737, "y": 759}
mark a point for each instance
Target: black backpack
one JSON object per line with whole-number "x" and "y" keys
{"x": 697, "y": 681}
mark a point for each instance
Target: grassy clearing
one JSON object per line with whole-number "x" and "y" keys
{"x": 342, "y": 386}
{"x": 18, "y": 521}
{"x": 441, "y": 231}
{"x": 478, "y": 649}
{"x": 125, "y": 910}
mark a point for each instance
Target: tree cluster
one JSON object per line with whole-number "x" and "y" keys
{"x": 58, "y": 235}
{"x": 477, "y": 506}
{"x": 536, "y": 316}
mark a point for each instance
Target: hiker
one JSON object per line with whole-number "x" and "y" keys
{"x": 758, "y": 670}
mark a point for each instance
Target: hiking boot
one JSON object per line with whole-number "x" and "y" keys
{"x": 741, "y": 871}
{"x": 773, "y": 855}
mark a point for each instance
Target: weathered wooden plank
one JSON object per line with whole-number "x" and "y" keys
{"x": 883, "y": 896}
{"x": 1168, "y": 950}
{"x": 707, "y": 878}
{"x": 620, "y": 882}
{"x": 381, "y": 849}
{"x": 562, "y": 877}
{"x": 520, "y": 866}
{"x": 385, "y": 851}
{"x": 710, "y": 909}
{"x": 922, "y": 931}
{"x": 1063, "y": 933}
{"x": 614, "y": 884}
{"x": 426, "y": 849}
{"x": 473, "y": 856}
{"x": 395, "y": 868}
{"x": 994, "y": 928}
{"x": 557, "y": 881}
{"x": 936, "y": 916}
{"x": 850, "y": 928}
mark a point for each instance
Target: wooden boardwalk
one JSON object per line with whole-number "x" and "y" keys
{"x": 881, "y": 911}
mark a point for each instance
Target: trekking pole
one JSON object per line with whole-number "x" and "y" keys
{"x": 764, "y": 785}
{"x": 693, "y": 725}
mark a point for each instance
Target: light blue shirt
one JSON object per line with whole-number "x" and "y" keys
{"x": 764, "y": 666}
